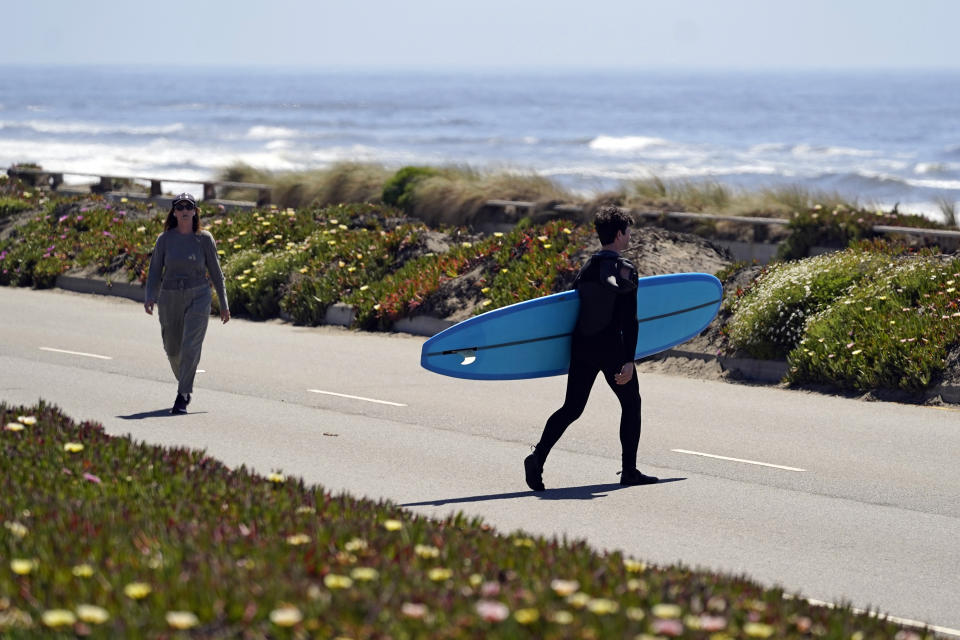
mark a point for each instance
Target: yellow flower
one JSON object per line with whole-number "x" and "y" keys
{"x": 486, "y": 303}
{"x": 242, "y": 233}
{"x": 18, "y": 529}
{"x": 221, "y": 252}
{"x": 567, "y": 231}
{"x": 298, "y": 539}
{"x": 181, "y": 619}
{"x": 137, "y": 590}
{"x": 523, "y": 542}
{"x": 364, "y": 574}
{"x": 303, "y": 270}
{"x": 666, "y": 611}
{"x": 504, "y": 270}
{"x": 476, "y": 580}
{"x": 23, "y": 566}
{"x": 603, "y": 606}
{"x": 252, "y": 280}
{"x": 334, "y": 581}
{"x": 141, "y": 229}
{"x": 868, "y": 308}
{"x": 542, "y": 238}
{"x": 27, "y": 420}
{"x": 526, "y": 616}
{"x": 497, "y": 234}
{"x": 58, "y": 618}
{"x": 466, "y": 244}
{"x": 562, "y": 617}
{"x": 238, "y": 246}
{"x": 82, "y": 571}
{"x": 636, "y": 614}
{"x": 485, "y": 290}
{"x": 578, "y": 600}
{"x": 634, "y": 566}
{"x": 123, "y": 200}
{"x": 305, "y": 509}
{"x": 758, "y": 630}
{"x": 547, "y": 245}
{"x": 856, "y": 352}
{"x": 343, "y": 226}
{"x": 564, "y": 588}
{"x": 439, "y": 574}
{"x": 13, "y": 426}
{"x": 392, "y": 525}
{"x": 364, "y": 287}
{"x": 275, "y": 477}
{"x": 92, "y": 613}
{"x": 286, "y": 616}
{"x": 426, "y": 551}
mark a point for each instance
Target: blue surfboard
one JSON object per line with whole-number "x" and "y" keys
{"x": 531, "y": 339}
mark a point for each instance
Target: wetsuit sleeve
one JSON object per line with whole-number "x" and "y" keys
{"x": 213, "y": 268}
{"x": 155, "y": 270}
{"x": 629, "y": 324}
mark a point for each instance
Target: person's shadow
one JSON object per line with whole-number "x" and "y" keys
{"x": 586, "y": 492}
{"x": 159, "y": 413}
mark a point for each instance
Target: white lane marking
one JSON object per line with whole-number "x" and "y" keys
{"x": 344, "y": 395}
{"x": 76, "y": 353}
{"x": 201, "y": 370}
{"x": 762, "y": 464}
{"x": 907, "y": 622}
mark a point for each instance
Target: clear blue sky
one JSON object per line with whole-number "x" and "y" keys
{"x": 744, "y": 34}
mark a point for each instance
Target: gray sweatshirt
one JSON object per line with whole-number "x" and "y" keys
{"x": 185, "y": 257}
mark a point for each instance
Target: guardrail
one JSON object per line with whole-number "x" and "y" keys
{"x": 105, "y": 185}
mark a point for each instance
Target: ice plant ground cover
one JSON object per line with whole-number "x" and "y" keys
{"x": 104, "y": 537}
{"x": 870, "y": 317}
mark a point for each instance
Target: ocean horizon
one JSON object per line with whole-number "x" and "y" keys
{"x": 878, "y": 137}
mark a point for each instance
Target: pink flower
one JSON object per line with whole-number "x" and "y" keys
{"x": 490, "y": 589}
{"x": 492, "y": 611}
{"x": 91, "y": 478}
{"x": 108, "y": 234}
{"x": 672, "y": 628}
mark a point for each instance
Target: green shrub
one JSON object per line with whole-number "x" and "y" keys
{"x": 12, "y": 206}
{"x": 892, "y": 331}
{"x": 398, "y": 191}
{"x": 770, "y": 318}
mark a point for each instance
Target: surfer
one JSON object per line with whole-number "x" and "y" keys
{"x": 604, "y": 341}
{"x": 177, "y": 280}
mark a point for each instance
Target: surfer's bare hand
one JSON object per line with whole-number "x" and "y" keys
{"x": 625, "y": 375}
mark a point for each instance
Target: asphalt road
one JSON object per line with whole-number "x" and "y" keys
{"x": 834, "y": 499}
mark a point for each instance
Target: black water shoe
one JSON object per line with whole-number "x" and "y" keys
{"x": 180, "y": 405}
{"x": 633, "y": 477}
{"x": 533, "y": 469}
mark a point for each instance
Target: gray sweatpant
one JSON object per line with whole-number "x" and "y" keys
{"x": 184, "y": 314}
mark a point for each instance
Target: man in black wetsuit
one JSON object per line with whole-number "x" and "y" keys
{"x": 604, "y": 341}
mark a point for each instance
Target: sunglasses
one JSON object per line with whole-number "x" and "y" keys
{"x": 184, "y": 207}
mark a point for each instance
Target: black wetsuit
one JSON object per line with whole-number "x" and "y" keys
{"x": 604, "y": 339}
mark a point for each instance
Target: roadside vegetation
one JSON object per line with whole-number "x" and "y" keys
{"x": 105, "y": 537}
{"x": 877, "y": 315}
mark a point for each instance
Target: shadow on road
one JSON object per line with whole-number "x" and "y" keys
{"x": 159, "y": 413}
{"x": 586, "y": 492}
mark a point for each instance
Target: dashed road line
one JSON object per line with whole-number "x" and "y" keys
{"x": 76, "y": 353}
{"x": 762, "y": 464}
{"x": 344, "y": 395}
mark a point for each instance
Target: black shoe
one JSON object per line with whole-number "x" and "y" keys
{"x": 180, "y": 405}
{"x": 534, "y": 472}
{"x": 189, "y": 397}
{"x": 633, "y": 477}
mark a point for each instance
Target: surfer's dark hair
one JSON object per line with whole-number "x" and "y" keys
{"x": 609, "y": 220}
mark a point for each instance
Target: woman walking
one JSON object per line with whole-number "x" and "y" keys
{"x": 182, "y": 260}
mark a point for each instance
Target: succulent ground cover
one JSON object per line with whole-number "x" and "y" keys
{"x": 870, "y": 317}
{"x": 104, "y": 537}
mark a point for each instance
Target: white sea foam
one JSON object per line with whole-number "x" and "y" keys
{"x": 811, "y": 150}
{"x": 90, "y": 128}
{"x": 262, "y": 132}
{"x": 625, "y": 144}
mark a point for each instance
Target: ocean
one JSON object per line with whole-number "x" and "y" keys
{"x": 878, "y": 137}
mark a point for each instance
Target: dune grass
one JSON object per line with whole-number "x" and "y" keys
{"x": 105, "y": 537}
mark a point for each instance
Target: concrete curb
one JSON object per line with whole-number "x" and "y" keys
{"x": 100, "y": 287}
{"x": 340, "y": 314}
